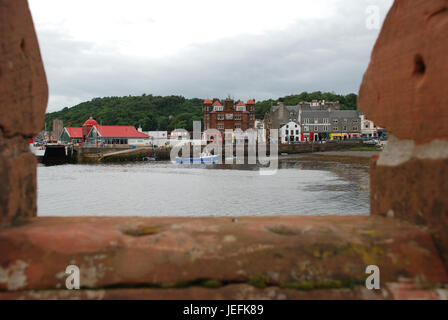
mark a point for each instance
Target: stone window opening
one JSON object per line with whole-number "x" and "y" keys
{"x": 36, "y": 250}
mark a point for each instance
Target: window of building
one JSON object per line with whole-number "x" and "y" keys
{"x": 220, "y": 126}
{"x": 229, "y": 116}
{"x": 297, "y": 131}
{"x": 237, "y": 125}
{"x": 306, "y": 128}
{"x": 220, "y": 117}
{"x": 297, "y": 138}
{"x": 316, "y": 128}
{"x": 335, "y": 129}
{"x": 207, "y": 117}
{"x": 335, "y": 121}
{"x": 237, "y": 117}
{"x": 345, "y": 128}
{"x": 286, "y": 131}
{"x": 252, "y": 117}
{"x": 218, "y": 108}
{"x": 240, "y": 108}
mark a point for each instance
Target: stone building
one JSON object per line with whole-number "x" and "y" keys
{"x": 281, "y": 114}
{"x": 228, "y": 114}
{"x": 345, "y": 124}
{"x": 318, "y": 125}
{"x": 368, "y": 128}
{"x": 290, "y": 133}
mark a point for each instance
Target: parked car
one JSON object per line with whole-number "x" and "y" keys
{"x": 372, "y": 142}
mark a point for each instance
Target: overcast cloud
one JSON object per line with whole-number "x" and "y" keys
{"x": 202, "y": 48}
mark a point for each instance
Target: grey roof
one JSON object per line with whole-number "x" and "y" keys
{"x": 344, "y": 114}
{"x": 315, "y": 114}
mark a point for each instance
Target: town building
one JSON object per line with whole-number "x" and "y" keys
{"x": 71, "y": 135}
{"x": 330, "y": 125}
{"x": 158, "y": 138}
{"x": 228, "y": 114}
{"x": 368, "y": 128}
{"x": 345, "y": 124}
{"x": 281, "y": 114}
{"x": 91, "y": 133}
{"x": 290, "y": 133}
{"x": 322, "y": 125}
{"x": 315, "y": 124}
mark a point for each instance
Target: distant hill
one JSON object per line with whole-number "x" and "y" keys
{"x": 166, "y": 113}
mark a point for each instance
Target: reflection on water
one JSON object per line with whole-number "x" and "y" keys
{"x": 166, "y": 189}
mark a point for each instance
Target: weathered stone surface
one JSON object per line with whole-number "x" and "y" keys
{"x": 404, "y": 88}
{"x": 17, "y": 181}
{"x": 416, "y": 191}
{"x": 23, "y": 100}
{"x": 302, "y": 253}
{"x": 23, "y": 85}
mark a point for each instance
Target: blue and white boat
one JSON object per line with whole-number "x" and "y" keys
{"x": 205, "y": 158}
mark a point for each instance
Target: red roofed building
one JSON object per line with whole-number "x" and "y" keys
{"x": 227, "y": 114}
{"x": 71, "y": 135}
{"x": 93, "y": 133}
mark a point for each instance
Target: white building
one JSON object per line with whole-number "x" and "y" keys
{"x": 368, "y": 128}
{"x": 158, "y": 138}
{"x": 290, "y": 133}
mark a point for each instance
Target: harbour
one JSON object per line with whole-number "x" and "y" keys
{"x": 161, "y": 188}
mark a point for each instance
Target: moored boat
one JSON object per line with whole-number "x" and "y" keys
{"x": 205, "y": 158}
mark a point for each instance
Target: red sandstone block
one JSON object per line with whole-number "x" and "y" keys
{"x": 304, "y": 253}
{"x": 405, "y": 86}
{"x": 23, "y": 85}
{"x": 17, "y": 188}
{"x": 414, "y": 191}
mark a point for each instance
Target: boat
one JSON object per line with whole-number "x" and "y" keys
{"x": 37, "y": 149}
{"x": 205, "y": 158}
{"x": 153, "y": 158}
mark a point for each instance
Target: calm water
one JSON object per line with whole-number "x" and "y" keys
{"x": 165, "y": 189}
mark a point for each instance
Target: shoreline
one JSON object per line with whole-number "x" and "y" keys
{"x": 347, "y": 156}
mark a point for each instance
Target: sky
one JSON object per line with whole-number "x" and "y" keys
{"x": 204, "y": 48}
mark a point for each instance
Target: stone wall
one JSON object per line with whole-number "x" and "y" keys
{"x": 405, "y": 90}
{"x": 23, "y": 100}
